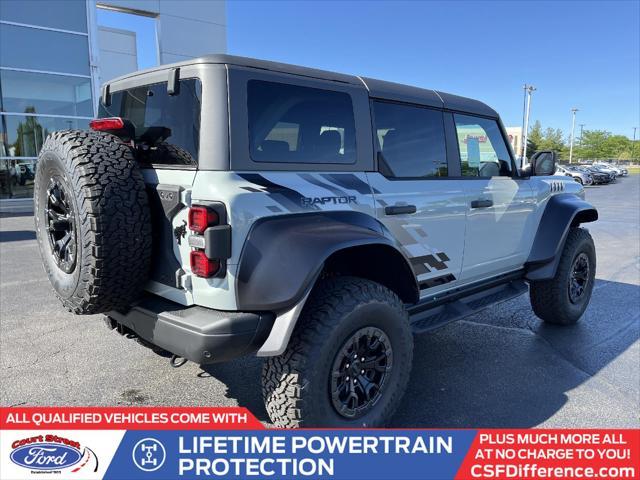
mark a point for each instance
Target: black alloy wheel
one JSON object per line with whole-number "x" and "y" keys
{"x": 360, "y": 371}
{"x": 579, "y": 277}
{"x": 61, "y": 225}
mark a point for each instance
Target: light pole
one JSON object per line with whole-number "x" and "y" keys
{"x": 573, "y": 127}
{"x": 528, "y": 90}
{"x": 524, "y": 116}
{"x": 581, "y": 129}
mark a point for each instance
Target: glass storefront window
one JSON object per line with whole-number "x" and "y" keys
{"x": 44, "y": 93}
{"x": 31, "y": 48}
{"x": 61, "y": 95}
{"x": 26, "y": 134}
{"x": 62, "y": 14}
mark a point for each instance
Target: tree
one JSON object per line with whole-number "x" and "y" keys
{"x": 602, "y": 144}
{"x": 617, "y": 146}
{"x": 534, "y": 137}
{"x": 594, "y": 144}
{"x": 548, "y": 139}
{"x": 633, "y": 153}
{"x": 552, "y": 139}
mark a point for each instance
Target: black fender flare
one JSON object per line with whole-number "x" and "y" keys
{"x": 284, "y": 254}
{"x": 562, "y": 212}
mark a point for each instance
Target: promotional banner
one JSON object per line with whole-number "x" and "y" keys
{"x": 182, "y": 442}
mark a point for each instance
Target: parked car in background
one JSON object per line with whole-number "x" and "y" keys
{"x": 599, "y": 177}
{"x": 608, "y": 170}
{"x": 580, "y": 176}
{"x": 619, "y": 171}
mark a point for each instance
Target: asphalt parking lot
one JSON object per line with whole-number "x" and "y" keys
{"x": 499, "y": 368}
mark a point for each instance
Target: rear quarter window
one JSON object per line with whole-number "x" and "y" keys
{"x": 167, "y": 127}
{"x": 295, "y": 124}
{"x": 411, "y": 141}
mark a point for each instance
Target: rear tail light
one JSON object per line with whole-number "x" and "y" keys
{"x": 203, "y": 266}
{"x": 107, "y": 124}
{"x": 200, "y": 218}
{"x": 210, "y": 239}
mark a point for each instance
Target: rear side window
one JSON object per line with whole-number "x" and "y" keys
{"x": 483, "y": 151}
{"x": 411, "y": 139}
{"x": 169, "y": 125}
{"x": 294, "y": 124}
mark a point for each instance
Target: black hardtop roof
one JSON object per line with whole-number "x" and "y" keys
{"x": 377, "y": 88}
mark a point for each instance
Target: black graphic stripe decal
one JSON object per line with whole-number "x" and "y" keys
{"x": 436, "y": 261}
{"x": 314, "y": 181}
{"x": 443, "y": 256}
{"x": 286, "y": 197}
{"x": 434, "y": 282}
{"x": 419, "y": 269}
{"x": 349, "y": 181}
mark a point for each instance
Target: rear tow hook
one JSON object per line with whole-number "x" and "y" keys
{"x": 177, "y": 361}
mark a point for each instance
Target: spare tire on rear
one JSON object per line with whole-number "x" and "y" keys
{"x": 92, "y": 220}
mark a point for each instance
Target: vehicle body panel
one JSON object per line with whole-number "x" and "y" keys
{"x": 433, "y": 236}
{"x": 497, "y": 237}
{"x": 250, "y": 196}
{"x": 446, "y": 242}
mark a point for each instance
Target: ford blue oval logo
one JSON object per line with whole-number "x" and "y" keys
{"x": 46, "y": 456}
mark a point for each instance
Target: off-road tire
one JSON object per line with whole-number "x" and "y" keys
{"x": 174, "y": 155}
{"x": 295, "y": 384}
{"x": 112, "y": 220}
{"x": 550, "y": 298}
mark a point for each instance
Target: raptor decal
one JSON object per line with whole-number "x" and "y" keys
{"x": 343, "y": 200}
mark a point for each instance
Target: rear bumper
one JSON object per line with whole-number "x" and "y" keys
{"x": 199, "y": 334}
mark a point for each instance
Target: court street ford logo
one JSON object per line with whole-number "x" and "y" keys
{"x": 46, "y": 453}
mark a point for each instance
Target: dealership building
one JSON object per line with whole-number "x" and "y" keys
{"x": 515, "y": 138}
{"x": 55, "y": 54}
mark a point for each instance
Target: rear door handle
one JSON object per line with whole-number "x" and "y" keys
{"x": 481, "y": 203}
{"x": 399, "y": 209}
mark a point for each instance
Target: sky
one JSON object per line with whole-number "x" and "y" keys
{"x": 582, "y": 54}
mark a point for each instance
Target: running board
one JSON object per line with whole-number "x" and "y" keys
{"x": 424, "y": 318}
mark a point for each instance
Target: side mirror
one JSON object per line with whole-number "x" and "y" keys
{"x": 543, "y": 163}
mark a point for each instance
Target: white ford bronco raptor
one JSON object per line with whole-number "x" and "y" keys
{"x": 226, "y": 206}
